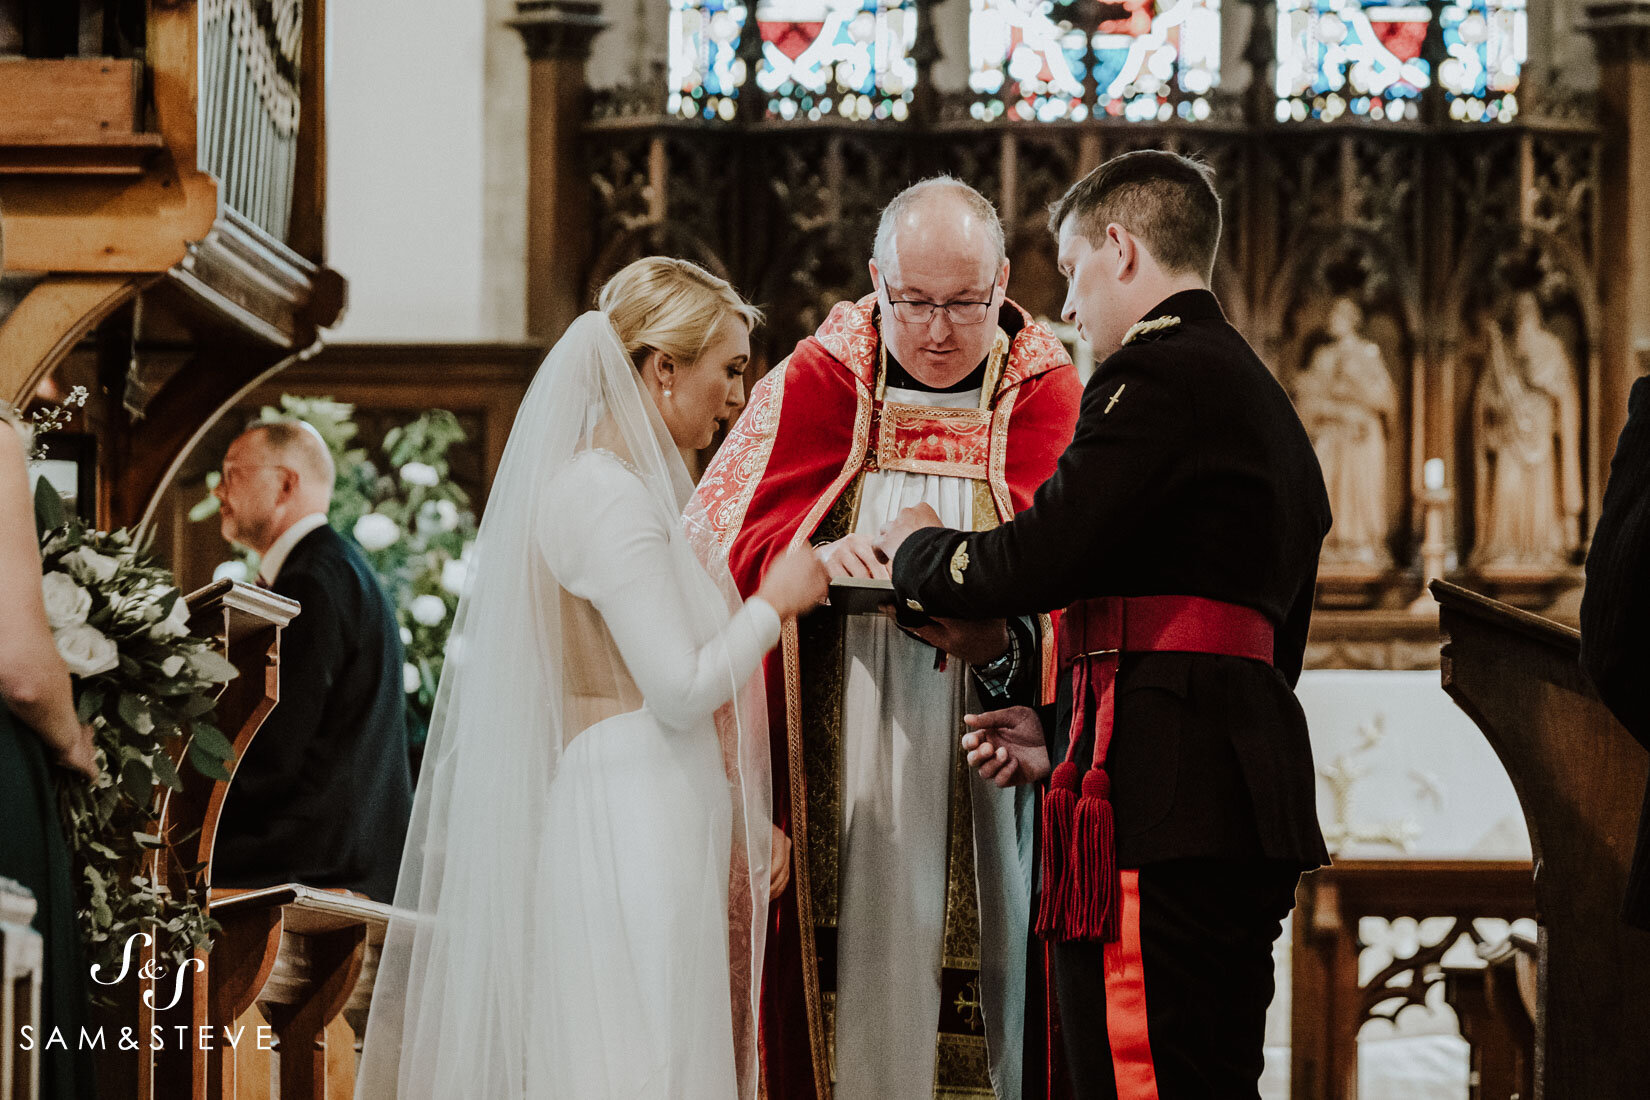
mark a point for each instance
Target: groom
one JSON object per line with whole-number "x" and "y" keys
{"x": 1181, "y": 536}
{"x": 897, "y": 965}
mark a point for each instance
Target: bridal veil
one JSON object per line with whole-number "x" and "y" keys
{"x": 451, "y": 1013}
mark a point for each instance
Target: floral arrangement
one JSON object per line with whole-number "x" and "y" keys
{"x": 147, "y": 687}
{"x": 409, "y": 518}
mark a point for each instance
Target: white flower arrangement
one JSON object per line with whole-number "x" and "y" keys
{"x": 147, "y": 688}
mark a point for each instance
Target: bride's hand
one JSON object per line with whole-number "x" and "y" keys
{"x": 779, "y": 864}
{"x": 796, "y": 583}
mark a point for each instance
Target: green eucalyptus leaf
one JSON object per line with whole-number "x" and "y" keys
{"x": 138, "y": 782}
{"x": 48, "y": 508}
{"x": 166, "y": 772}
{"x": 211, "y": 739}
{"x": 207, "y": 764}
{"x": 135, "y": 713}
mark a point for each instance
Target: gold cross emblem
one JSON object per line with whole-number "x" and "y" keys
{"x": 959, "y": 562}
{"x": 1121, "y": 387}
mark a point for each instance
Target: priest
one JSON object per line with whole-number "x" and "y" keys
{"x": 897, "y": 966}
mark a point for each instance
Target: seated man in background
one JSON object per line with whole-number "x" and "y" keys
{"x": 323, "y": 793}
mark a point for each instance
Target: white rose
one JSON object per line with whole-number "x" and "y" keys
{"x": 176, "y": 624}
{"x": 86, "y": 650}
{"x": 67, "y": 604}
{"x": 420, "y": 473}
{"x": 406, "y": 636}
{"x": 429, "y": 610}
{"x": 446, "y": 513}
{"x": 411, "y": 681}
{"x": 173, "y": 665}
{"x": 234, "y": 570}
{"x": 455, "y": 577}
{"x": 90, "y": 566}
{"x": 376, "y": 531}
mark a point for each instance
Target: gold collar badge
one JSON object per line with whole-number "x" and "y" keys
{"x": 1144, "y": 328}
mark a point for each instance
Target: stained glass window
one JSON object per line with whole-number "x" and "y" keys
{"x": 1350, "y": 56}
{"x": 849, "y": 58}
{"x": 1363, "y": 57}
{"x": 1068, "y": 59}
{"x": 1486, "y": 43}
{"x": 704, "y": 73}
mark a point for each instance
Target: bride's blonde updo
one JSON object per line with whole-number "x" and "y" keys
{"x": 670, "y": 306}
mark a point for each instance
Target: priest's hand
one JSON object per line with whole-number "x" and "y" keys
{"x": 976, "y": 641}
{"x": 1007, "y": 746}
{"x": 912, "y": 519}
{"x": 853, "y": 556}
{"x": 779, "y": 865}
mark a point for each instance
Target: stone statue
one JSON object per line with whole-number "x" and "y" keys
{"x": 1527, "y": 447}
{"x": 1346, "y": 399}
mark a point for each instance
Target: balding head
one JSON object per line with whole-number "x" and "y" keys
{"x": 274, "y": 474}
{"x": 942, "y": 214}
{"x": 940, "y": 243}
{"x": 296, "y": 444}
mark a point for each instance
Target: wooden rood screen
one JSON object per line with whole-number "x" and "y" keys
{"x": 1580, "y": 779}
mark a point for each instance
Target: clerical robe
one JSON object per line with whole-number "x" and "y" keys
{"x": 896, "y": 964}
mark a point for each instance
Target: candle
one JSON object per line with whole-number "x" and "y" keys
{"x": 1432, "y": 474}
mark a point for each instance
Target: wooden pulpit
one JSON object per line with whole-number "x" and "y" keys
{"x": 1580, "y": 779}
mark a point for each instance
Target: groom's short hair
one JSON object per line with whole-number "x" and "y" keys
{"x": 1165, "y": 199}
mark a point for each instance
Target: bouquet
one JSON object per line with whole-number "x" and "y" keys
{"x": 146, "y": 686}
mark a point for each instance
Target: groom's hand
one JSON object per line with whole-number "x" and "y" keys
{"x": 1007, "y": 746}
{"x": 976, "y": 641}
{"x": 853, "y": 556}
{"x": 912, "y": 519}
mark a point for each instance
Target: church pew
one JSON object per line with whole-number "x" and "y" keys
{"x": 246, "y": 621}
{"x": 1580, "y": 779}
{"x": 22, "y": 958}
{"x": 297, "y": 959}
{"x": 1495, "y": 1004}
{"x": 1329, "y": 1004}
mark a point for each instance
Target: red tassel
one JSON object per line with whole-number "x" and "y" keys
{"x": 1095, "y": 886}
{"x": 1059, "y": 808}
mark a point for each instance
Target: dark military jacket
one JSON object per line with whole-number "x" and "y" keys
{"x": 1615, "y": 611}
{"x": 1190, "y": 475}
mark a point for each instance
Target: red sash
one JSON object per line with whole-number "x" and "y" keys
{"x": 1081, "y": 886}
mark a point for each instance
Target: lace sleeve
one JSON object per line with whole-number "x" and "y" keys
{"x": 607, "y": 542}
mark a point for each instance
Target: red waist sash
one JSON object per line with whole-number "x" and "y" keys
{"x": 1080, "y": 878}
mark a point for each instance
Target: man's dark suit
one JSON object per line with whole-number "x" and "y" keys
{"x": 1615, "y": 611}
{"x": 1189, "y": 475}
{"x": 324, "y": 792}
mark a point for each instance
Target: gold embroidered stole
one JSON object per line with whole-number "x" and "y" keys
{"x": 925, "y": 440}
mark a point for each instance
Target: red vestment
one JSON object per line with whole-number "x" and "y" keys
{"x": 806, "y": 436}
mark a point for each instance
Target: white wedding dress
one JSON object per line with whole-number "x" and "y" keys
{"x": 633, "y": 883}
{"x": 584, "y": 888}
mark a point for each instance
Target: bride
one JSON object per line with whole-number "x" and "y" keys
{"x": 582, "y": 900}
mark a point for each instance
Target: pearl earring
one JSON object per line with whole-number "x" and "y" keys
{"x": 667, "y": 393}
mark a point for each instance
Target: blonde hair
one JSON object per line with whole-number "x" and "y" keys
{"x": 670, "y": 306}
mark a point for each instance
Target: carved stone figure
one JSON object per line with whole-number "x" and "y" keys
{"x": 1527, "y": 448}
{"x": 1346, "y": 399}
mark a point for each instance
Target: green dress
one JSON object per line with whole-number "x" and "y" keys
{"x": 34, "y": 854}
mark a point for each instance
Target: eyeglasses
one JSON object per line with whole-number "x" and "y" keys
{"x": 915, "y": 312}
{"x": 236, "y": 472}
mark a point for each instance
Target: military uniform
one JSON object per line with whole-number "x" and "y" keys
{"x": 1190, "y": 494}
